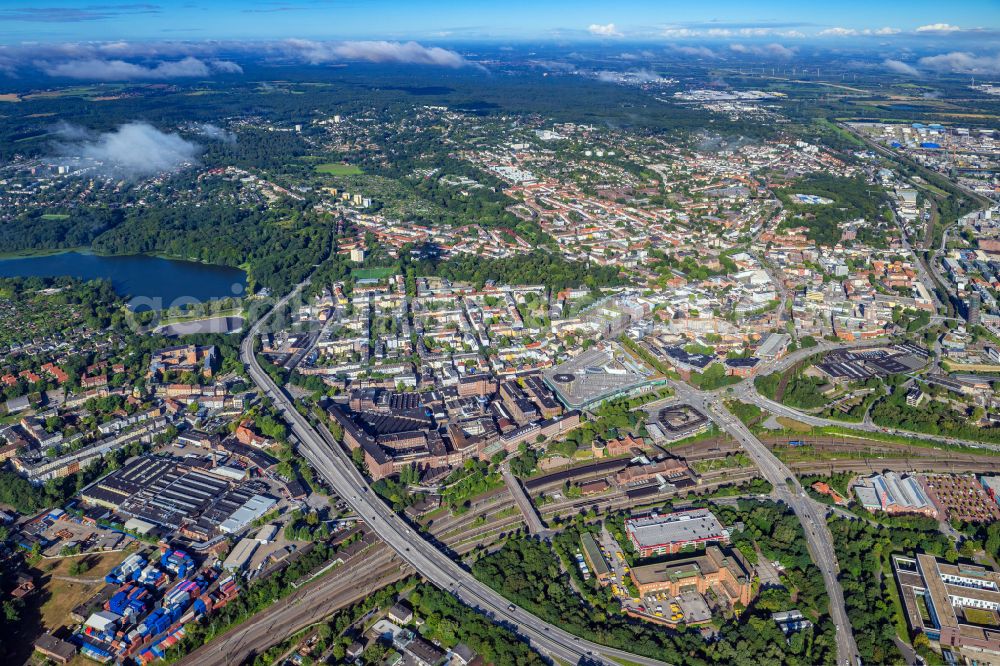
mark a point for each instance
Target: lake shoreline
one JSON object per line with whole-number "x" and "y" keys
{"x": 146, "y": 281}
{"x": 89, "y": 250}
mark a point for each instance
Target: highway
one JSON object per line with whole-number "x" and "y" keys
{"x": 747, "y": 392}
{"x": 788, "y": 490}
{"x": 330, "y": 460}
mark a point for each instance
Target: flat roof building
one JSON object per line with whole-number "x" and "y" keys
{"x": 595, "y": 375}
{"x": 658, "y": 535}
{"x": 240, "y": 555}
{"x": 252, "y": 509}
{"x": 773, "y": 345}
{"x": 678, "y": 422}
{"x": 595, "y": 560}
{"x": 266, "y": 534}
{"x": 56, "y": 649}
{"x": 727, "y": 574}
{"x": 955, "y": 604}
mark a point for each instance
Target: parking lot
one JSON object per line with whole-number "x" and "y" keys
{"x": 690, "y": 607}
{"x": 61, "y": 534}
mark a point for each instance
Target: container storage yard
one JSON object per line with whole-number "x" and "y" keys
{"x": 154, "y": 601}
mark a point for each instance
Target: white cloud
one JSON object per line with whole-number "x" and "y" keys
{"x": 694, "y": 51}
{"x": 225, "y": 66}
{"x": 852, "y": 32}
{"x": 135, "y": 149}
{"x": 679, "y": 32}
{"x": 900, "y": 67}
{"x": 8, "y": 66}
{"x": 962, "y": 62}
{"x": 749, "y": 31}
{"x": 97, "y": 69}
{"x": 554, "y": 65}
{"x": 773, "y": 50}
{"x": 641, "y": 55}
{"x": 838, "y": 32}
{"x": 121, "y": 61}
{"x": 216, "y": 133}
{"x": 608, "y": 30}
{"x": 376, "y": 51}
{"x": 938, "y": 27}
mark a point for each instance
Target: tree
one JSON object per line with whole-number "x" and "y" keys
{"x": 12, "y": 610}
{"x": 79, "y": 566}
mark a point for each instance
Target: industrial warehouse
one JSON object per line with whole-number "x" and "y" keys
{"x": 161, "y": 493}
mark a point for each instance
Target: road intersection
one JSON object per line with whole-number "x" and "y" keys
{"x": 788, "y": 490}
{"x": 330, "y": 459}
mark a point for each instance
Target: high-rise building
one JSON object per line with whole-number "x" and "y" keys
{"x": 975, "y": 302}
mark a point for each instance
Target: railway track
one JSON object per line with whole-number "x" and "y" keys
{"x": 368, "y": 571}
{"x": 356, "y": 579}
{"x": 873, "y": 465}
{"x": 379, "y": 566}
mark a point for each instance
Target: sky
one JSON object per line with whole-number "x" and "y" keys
{"x": 156, "y": 40}
{"x": 469, "y": 20}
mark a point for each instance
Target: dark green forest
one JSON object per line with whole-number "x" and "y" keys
{"x": 853, "y": 198}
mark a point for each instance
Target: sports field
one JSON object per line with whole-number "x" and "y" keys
{"x": 338, "y": 169}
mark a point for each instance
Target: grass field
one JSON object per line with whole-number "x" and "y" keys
{"x": 59, "y": 597}
{"x": 372, "y": 273}
{"x": 55, "y": 216}
{"x": 337, "y": 169}
{"x": 792, "y": 424}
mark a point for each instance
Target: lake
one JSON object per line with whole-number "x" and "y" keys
{"x": 150, "y": 282}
